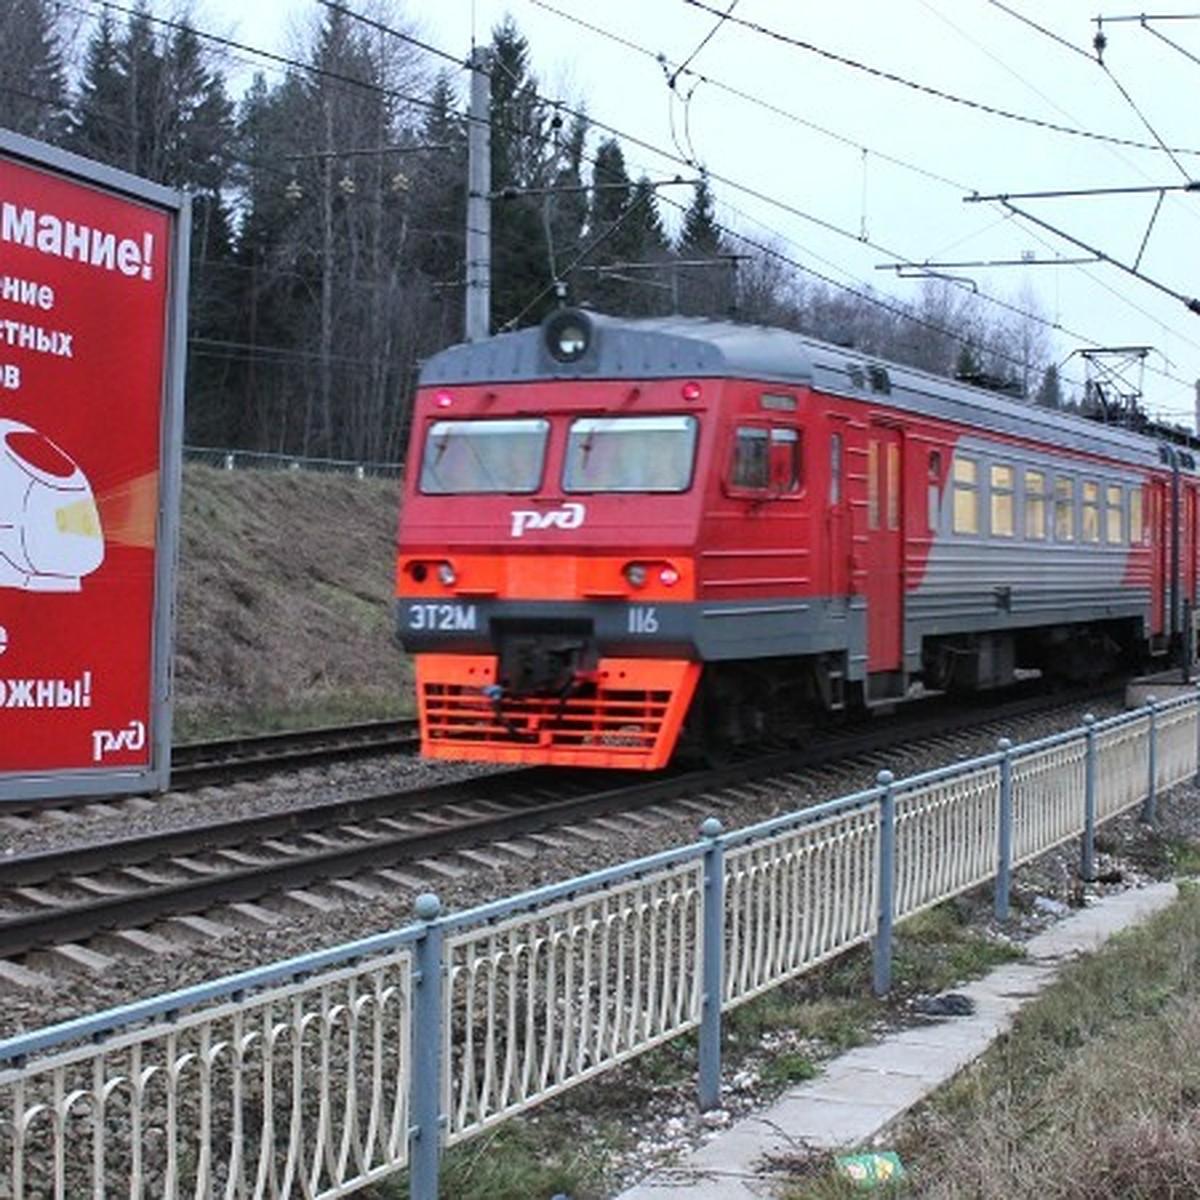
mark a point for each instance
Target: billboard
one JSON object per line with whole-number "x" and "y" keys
{"x": 93, "y": 266}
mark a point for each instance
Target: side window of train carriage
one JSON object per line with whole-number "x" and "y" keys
{"x": 1114, "y": 515}
{"x": 1137, "y": 522}
{"x": 1064, "y": 509}
{"x": 465, "y": 457}
{"x": 766, "y": 460}
{"x": 1089, "y": 511}
{"x": 630, "y": 454}
{"x": 933, "y": 496}
{"x": 1035, "y": 505}
{"x": 966, "y": 494}
{"x": 1002, "y": 479}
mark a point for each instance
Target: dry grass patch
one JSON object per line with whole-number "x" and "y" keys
{"x": 1095, "y": 1093}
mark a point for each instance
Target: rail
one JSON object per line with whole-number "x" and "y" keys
{"x": 321, "y": 1075}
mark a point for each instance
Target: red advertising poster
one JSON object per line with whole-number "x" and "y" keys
{"x": 84, "y": 293}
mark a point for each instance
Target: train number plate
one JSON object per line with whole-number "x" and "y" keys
{"x": 442, "y": 618}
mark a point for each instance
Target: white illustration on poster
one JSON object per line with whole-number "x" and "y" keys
{"x": 50, "y": 535}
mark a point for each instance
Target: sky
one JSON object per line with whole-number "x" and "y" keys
{"x": 868, "y": 142}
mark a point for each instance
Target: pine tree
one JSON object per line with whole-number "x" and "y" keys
{"x": 705, "y": 274}
{"x": 701, "y": 235}
{"x": 609, "y": 235}
{"x": 565, "y": 206}
{"x": 33, "y": 89}
{"x": 521, "y": 133}
{"x": 437, "y": 177}
{"x": 648, "y": 244}
{"x": 1050, "y": 393}
{"x": 99, "y": 129}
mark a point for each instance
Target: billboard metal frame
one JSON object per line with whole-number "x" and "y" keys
{"x": 116, "y": 780}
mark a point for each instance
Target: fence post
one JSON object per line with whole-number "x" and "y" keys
{"x": 1087, "y": 864}
{"x": 1004, "y": 839}
{"x": 887, "y": 883}
{"x": 1150, "y": 808}
{"x": 712, "y": 968}
{"x": 425, "y": 1128}
{"x": 1196, "y": 777}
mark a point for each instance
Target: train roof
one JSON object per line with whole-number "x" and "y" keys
{"x": 669, "y": 347}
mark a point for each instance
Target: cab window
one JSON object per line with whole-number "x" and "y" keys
{"x": 630, "y": 454}
{"x": 464, "y": 457}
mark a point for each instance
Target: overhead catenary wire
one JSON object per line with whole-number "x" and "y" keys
{"x": 929, "y": 90}
{"x": 961, "y": 188}
{"x": 381, "y": 27}
{"x": 855, "y": 235}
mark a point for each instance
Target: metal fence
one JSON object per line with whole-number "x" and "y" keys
{"x": 318, "y": 1076}
{"x": 258, "y": 460}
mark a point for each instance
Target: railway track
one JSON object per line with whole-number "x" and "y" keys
{"x": 199, "y": 764}
{"x": 358, "y": 847}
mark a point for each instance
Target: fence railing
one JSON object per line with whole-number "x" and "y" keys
{"x": 259, "y": 460}
{"x": 318, "y": 1076}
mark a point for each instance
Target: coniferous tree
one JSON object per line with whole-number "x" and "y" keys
{"x": 437, "y": 182}
{"x": 705, "y": 271}
{"x": 33, "y": 89}
{"x": 608, "y": 284}
{"x": 1050, "y": 393}
{"x": 701, "y": 235}
{"x": 565, "y": 205}
{"x": 655, "y": 291}
{"x": 521, "y": 129}
{"x": 277, "y": 279}
{"x": 337, "y": 307}
{"x": 98, "y": 127}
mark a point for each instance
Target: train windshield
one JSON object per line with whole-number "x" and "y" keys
{"x": 630, "y": 454}
{"x": 462, "y": 457}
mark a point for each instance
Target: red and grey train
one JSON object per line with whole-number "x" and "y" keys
{"x": 620, "y": 536}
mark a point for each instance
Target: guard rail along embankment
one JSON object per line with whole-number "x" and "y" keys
{"x": 318, "y": 1076}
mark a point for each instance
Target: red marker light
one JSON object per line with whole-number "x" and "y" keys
{"x": 668, "y": 576}
{"x": 691, "y": 391}
{"x": 443, "y": 400}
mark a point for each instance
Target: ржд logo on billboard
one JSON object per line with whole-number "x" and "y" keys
{"x": 86, "y": 290}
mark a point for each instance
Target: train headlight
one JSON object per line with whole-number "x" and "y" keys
{"x": 568, "y": 335}
{"x": 447, "y": 576}
{"x": 638, "y": 574}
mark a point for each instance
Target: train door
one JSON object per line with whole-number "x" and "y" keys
{"x": 885, "y": 549}
{"x": 1187, "y": 570}
{"x": 838, "y": 514}
{"x": 1160, "y": 533}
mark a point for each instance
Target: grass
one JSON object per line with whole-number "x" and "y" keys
{"x": 573, "y": 1145}
{"x": 314, "y": 711}
{"x": 1094, "y": 1093}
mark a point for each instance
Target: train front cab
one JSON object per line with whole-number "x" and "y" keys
{"x": 547, "y": 569}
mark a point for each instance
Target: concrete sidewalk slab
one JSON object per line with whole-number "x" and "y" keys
{"x": 859, "y": 1094}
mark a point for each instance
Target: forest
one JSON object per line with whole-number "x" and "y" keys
{"x": 329, "y": 209}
